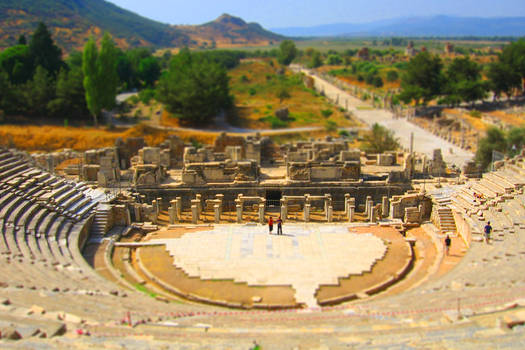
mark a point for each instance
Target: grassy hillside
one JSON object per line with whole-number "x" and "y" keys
{"x": 256, "y": 84}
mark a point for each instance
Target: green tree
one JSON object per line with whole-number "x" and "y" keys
{"x": 464, "y": 82}
{"x": 283, "y": 94}
{"x": 194, "y": 88}
{"x": 423, "y": 79}
{"x": 514, "y": 56}
{"x": 334, "y": 59}
{"x": 100, "y": 75}
{"x": 503, "y": 79}
{"x": 315, "y": 60}
{"x": 39, "y": 92}
{"x": 149, "y": 70}
{"x": 392, "y": 76}
{"x": 287, "y": 52}
{"x": 70, "y": 100}
{"x": 494, "y": 141}
{"x": 515, "y": 140}
{"x": 44, "y": 52}
{"x": 22, "y": 40}
{"x": 379, "y": 140}
{"x": 16, "y": 63}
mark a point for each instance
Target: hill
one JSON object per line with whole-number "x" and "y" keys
{"x": 229, "y": 31}
{"x": 72, "y": 22}
{"x": 442, "y": 26}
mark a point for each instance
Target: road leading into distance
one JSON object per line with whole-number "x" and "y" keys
{"x": 424, "y": 141}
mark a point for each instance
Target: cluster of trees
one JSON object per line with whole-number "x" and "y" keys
{"x": 380, "y": 140}
{"x": 195, "y": 87}
{"x": 425, "y": 78}
{"x": 35, "y": 80}
{"x": 509, "y": 143}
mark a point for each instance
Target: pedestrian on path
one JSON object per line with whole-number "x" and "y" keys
{"x": 488, "y": 230}
{"x": 448, "y": 241}
{"x": 270, "y": 225}
{"x": 279, "y": 226}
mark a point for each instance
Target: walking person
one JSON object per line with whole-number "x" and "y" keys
{"x": 488, "y": 230}
{"x": 270, "y": 225}
{"x": 448, "y": 241}
{"x": 279, "y": 226}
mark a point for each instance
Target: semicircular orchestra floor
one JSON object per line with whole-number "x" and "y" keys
{"x": 245, "y": 266}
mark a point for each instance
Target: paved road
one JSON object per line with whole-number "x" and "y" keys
{"x": 424, "y": 141}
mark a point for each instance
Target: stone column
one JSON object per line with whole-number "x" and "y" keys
{"x": 284, "y": 211}
{"x": 155, "y": 207}
{"x": 239, "y": 213}
{"x": 261, "y": 213}
{"x": 220, "y": 197}
{"x": 347, "y": 202}
{"x": 327, "y": 202}
{"x": 172, "y": 213}
{"x": 198, "y": 197}
{"x": 351, "y": 211}
{"x": 307, "y": 212}
{"x": 216, "y": 209}
{"x": 178, "y": 206}
{"x": 367, "y": 205}
{"x": 195, "y": 202}
{"x": 372, "y": 216}
{"x": 176, "y": 216}
{"x": 329, "y": 214}
{"x": 159, "y": 204}
{"x": 194, "y": 214}
{"x": 384, "y": 207}
{"x": 138, "y": 216}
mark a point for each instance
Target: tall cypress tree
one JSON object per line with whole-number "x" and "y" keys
{"x": 100, "y": 75}
{"x": 44, "y": 52}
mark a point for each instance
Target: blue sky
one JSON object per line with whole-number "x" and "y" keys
{"x": 286, "y": 13}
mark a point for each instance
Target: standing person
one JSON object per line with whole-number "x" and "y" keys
{"x": 270, "y": 225}
{"x": 279, "y": 226}
{"x": 448, "y": 241}
{"x": 488, "y": 230}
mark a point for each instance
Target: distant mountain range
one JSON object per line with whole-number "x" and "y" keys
{"x": 72, "y": 22}
{"x": 442, "y": 26}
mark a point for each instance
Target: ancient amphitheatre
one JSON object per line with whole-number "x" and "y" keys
{"x": 180, "y": 248}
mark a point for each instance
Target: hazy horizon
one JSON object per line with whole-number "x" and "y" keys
{"x": 279, "y": 14}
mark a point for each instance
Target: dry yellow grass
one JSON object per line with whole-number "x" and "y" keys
{"x": 51, "y": 138}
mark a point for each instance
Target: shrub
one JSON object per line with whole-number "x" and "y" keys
{"x": 252, "y": 91}
{"x": 326, "y": 112}
{"x": 475, "y": 113}
{"x": 330, "y": 125}
{"x": 392, "y": 76}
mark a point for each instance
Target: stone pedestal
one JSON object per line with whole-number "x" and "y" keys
{"x": 384, "y": 207}
{"x": 194, "y": 214}
{"x": 261, "y": 213}
{"x": 329, "y": 213}
{"x": 239, "y": 213}
{"x": 307, "y": 212}
{"x": 217, "y": 210}
{"x": 172, "y": 213}
{"x": 284, "y": 212}
{"x": 351, "y": 211}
